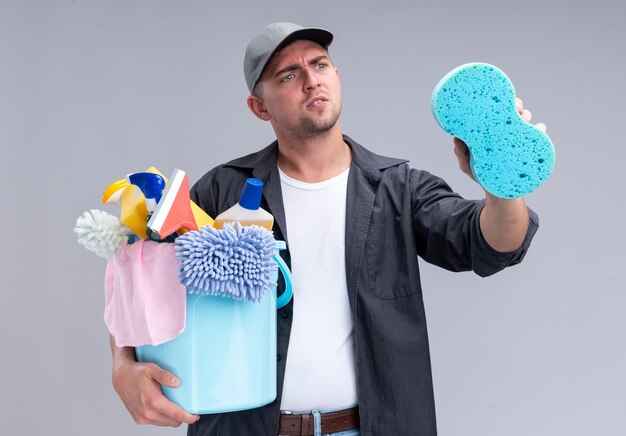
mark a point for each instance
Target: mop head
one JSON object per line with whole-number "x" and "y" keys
{"x": 101, "y": 233}
{"x": 235, "y": 261}
{"x": 508, "y": 156}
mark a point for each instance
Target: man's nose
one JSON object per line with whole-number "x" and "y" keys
{"x": 311, "y": 81}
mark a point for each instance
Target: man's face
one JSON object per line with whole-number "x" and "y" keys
{"x": 300, "y": 90}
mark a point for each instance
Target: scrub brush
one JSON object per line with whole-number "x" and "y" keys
{"x": 235, "y": 261}
{"x": 101, "y": 233}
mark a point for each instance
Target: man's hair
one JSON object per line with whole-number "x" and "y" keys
{"x": 258, "y": 91}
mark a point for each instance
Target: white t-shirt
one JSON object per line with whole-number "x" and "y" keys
{"x": 320, "y": 372}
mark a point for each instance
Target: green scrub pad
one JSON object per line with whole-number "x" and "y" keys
{"x": 509, "y": 157}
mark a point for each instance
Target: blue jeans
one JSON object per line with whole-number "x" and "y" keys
{"x": 317, "y": 423}
{"x": 355, "y": 432}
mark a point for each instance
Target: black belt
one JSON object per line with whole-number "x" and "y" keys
{"x": 303, "y": 425}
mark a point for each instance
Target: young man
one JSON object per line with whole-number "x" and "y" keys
{"x": 352, "y": 345}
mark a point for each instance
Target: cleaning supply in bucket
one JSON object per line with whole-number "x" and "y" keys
{"x": 101, "y": 233}
{"x": 173, "y": 212}
{"x": 151, "y": 185}
{"x": 144, "y": 301}
{"x": 509, "y": 157}
{"x": 236, "y": 261}
{"x": 132, "y": 202}
{"x": 112, "y": 194}
{"x": 134, "y": 211}
{"x": 248, "y": 210}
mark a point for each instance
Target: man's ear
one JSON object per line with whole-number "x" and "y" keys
{"x": 256, "y": 106}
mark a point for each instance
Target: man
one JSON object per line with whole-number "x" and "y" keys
{"x": 353, "y": 340}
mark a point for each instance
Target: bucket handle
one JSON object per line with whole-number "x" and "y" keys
{"x": 287, "y": 294}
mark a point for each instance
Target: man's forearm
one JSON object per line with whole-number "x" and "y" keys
{"x": 504, "y": 223}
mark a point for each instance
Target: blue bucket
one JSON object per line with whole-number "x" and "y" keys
{"x": 226, "y": 356}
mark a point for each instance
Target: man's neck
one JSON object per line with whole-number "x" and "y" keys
{"x": 314, "y": 159}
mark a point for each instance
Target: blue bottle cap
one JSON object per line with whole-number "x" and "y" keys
{"x": 251, "y": 194}
{"x": 151, "y": 184}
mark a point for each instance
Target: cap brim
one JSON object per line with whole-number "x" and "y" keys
{"x": 321, "y": 36}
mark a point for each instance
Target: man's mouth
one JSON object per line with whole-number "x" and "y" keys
{"x": 317, "y": 101}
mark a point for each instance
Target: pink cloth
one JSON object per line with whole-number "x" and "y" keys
{"x": 144, "y": 301}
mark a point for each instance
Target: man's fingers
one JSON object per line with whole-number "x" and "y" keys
{"x": 139, "y": 387}
{"x": 158, "y": 410}
{"x": 174, "y": 413}
{"x": 188, "y": 418}
{"x": 463, "y": 156}
{"x": 150, "y": 417}
{"x": 460, "y": 148}
{"x": 461, "y": 151}
{"x": 163, "y": 377}
{"x": 527, "y": 115}
{"x": 165, "y": 407}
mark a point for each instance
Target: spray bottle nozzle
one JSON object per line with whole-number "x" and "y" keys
{"x": 151, "y": 185}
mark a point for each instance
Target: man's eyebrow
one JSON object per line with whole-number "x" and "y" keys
{"x": 291, "y": 67}
{"x": 294, "y": 67}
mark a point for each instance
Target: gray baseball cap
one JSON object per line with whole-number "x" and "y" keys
{"x": 273, "y": 37}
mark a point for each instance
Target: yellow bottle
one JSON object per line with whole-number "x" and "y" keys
{"x": 248, "y": 211}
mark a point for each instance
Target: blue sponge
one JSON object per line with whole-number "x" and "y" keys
{"x": 508, "y": 156}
